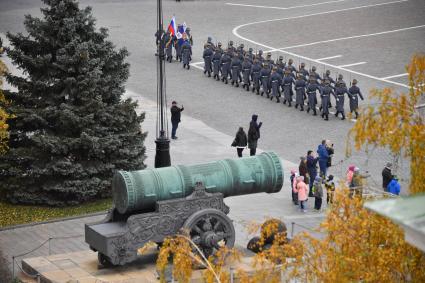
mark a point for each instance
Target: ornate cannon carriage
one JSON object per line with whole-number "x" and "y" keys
{"x": 152, "y": 204}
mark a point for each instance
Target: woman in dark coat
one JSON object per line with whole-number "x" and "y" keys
{"x": 240, "y": 141}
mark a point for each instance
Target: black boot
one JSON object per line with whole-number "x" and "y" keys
{"x": 296, "y": 106}
{"x": 357, "y": 115}
{"x": 226, "y": 81}
{"x": 247, "y": 87}
{"x": 258, "y": 91}
{"x": 284, "y": 101}
{"x": 188, "y": 66}
{"x": 326, "y": 117}
{"x": 277, "y": 100}
{"x": 205, "y": 71}
{"x": 262, "y": 93}
{"x": 314, "y": 112}
{"x": 301, "y": 108}
{"x": 343, "y": 116}
{"x": 237, "y": 84}
{"x": 289, "y": 104}
{"x": 209, "y": 74}
{"x": 233, "y": 82}
{"x": 308, "y": 109}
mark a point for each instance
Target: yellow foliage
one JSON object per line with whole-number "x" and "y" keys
{"x": 358, "y": 246}
{"x": 4, "y": 134}
{"x": 398, "y": 123}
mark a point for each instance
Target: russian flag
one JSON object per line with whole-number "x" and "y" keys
{"x": 172, "y": 26}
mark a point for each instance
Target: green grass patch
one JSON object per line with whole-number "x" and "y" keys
{"x": 12, "y": 214}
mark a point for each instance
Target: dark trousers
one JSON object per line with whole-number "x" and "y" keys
{"x": 294, "y": 197}
{"x": 317, "y": 203}
{"x": 175, "y": 125}
{"x": 239, "y": 150}
{"x": 252, "y": 151}
{"x": 323, "y": 165}
{"x": 302, "y": 204}
{"x": 312, "y": 177}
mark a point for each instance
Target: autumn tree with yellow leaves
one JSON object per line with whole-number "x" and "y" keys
{"x": 4, "y": 115}
{"x": 398, "y": 123}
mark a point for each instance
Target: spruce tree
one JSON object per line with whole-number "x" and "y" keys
{"x": 72, "y": 129}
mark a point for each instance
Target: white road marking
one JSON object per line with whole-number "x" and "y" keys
{"x": 235, "y": 32}
{"x": 328, "y": 58}
{"x": 350, "y": 37}
{"x": 352, "y": 64}
{"x": 322, "y": 13}
{"x": 197, "y": 63}
{"x": 395, "y": 76}
{"x": 285, "y": 8}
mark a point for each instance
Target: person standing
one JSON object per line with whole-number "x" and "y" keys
{"x": 387, "y": 176}
{"x": 302, "y": 169}
{"x": 323, "y": 158}
{"x": 318, "y": 193}
{"x": 294, "y": 180}
{"x": 312, "y": 169}
{"x": 302, "y": 192}
{"x": 240, "y": 141}
{"x": 253, "y": 134}
{"x": 330, "y": 189}
{"x": 331, "y": 151}
{"x": 175, "y": 118}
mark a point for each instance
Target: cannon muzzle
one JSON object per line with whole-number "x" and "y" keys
{"x": 140, "y": 190}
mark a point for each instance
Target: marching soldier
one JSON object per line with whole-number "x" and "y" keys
{"x": 291, "y": 68}
{"x": 280, "y": 66}
{"x": 246, "y": 72}
{"x": 269, "y": 60}
{"x": 303, "y": 71}
{"x": 235, "y": 67}
{"x": 327, "y": 76}
{"x": 265, "y": 75}
{"x": 287, "y": 82}
{"x": 353, "y": 94}
{"x": 208, "y": 54}
{"x": 314, "y": 74}
{"x": 209, "y": 42}
{"x": 340, "y": 91}
{"x": 260, "y": 56}
{"x": 311, "y": 90}
{"x": 225, "y": 66}
{"x": 250, "y": 55}
{"x": 275, "y": 81}
{"x": 231, "y": 47}
{"x": 219, "y": 47}
{"x": 186, "y": 51}
{"x": 300, "y": 96}
{"x": 325, "y": 95}
{"x": 256, "y": 76}
{"x": 216, "y": 63}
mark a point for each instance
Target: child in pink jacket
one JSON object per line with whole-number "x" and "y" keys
{"x": 302, "y": 191}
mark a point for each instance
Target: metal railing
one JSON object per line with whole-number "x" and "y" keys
{"x": 48, "y": 241}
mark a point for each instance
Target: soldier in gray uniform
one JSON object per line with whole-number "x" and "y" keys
{"x": 340, "y": 91}
{"x": 314, "y": 74}
{"x": 209, "y": 43}
{"x": 225, "y": 66}
{"x": 235, "y": 67}
{"x": 208, "y": 54}
{"x": 311, "y": 91}
{"x": 186, "y": 50}
{"x": 303, "y": 71}
{"x": 251, "y": 55}
{"x": 246, "y": 72}
{"x": 291, "y": 68}
{"x": 287, "y": 82}
{"x": 216, "y": 63}
{"x": 269, "y": 60}
{"x": 280, "y": 66}
{"x": 219, "y": 47}
{"x": 256, "y": 76}
{"x": 275, "y": 81}
{"x": 327, "y": 76}
{"x": 259, "y": 56}
{"x": 300, "y": 85}
{"x": 231, "y": 47}
{"x": 325, "y": 94}
{"x": 353, "y": 94}
{"x": 265, "y": 75}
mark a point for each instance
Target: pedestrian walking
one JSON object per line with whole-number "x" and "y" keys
{"x": 394, "y": 186}
{"x": 330, "y": 189}
{"x": 311, "y": 169}
{"x": 323, "y": 158}
{"x": 302, "y": 191}
{"x": 253, "y": 134}
{"x": 318, "y": 193}
{"x": 175, "y": 118}
{"x": 387, "y": 176}
{"x": 240, "y": 141}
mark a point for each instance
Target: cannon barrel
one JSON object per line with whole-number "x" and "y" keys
{"x": 140, "y": 190}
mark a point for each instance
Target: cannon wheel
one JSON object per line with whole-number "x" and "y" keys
{"x": 208, "y": 227}
{"x": 104, "y": 260}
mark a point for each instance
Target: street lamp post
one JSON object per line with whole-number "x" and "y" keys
{"x": 162, "y": 156}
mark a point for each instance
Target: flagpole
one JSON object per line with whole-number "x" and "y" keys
{"x": 162, "y": 156}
